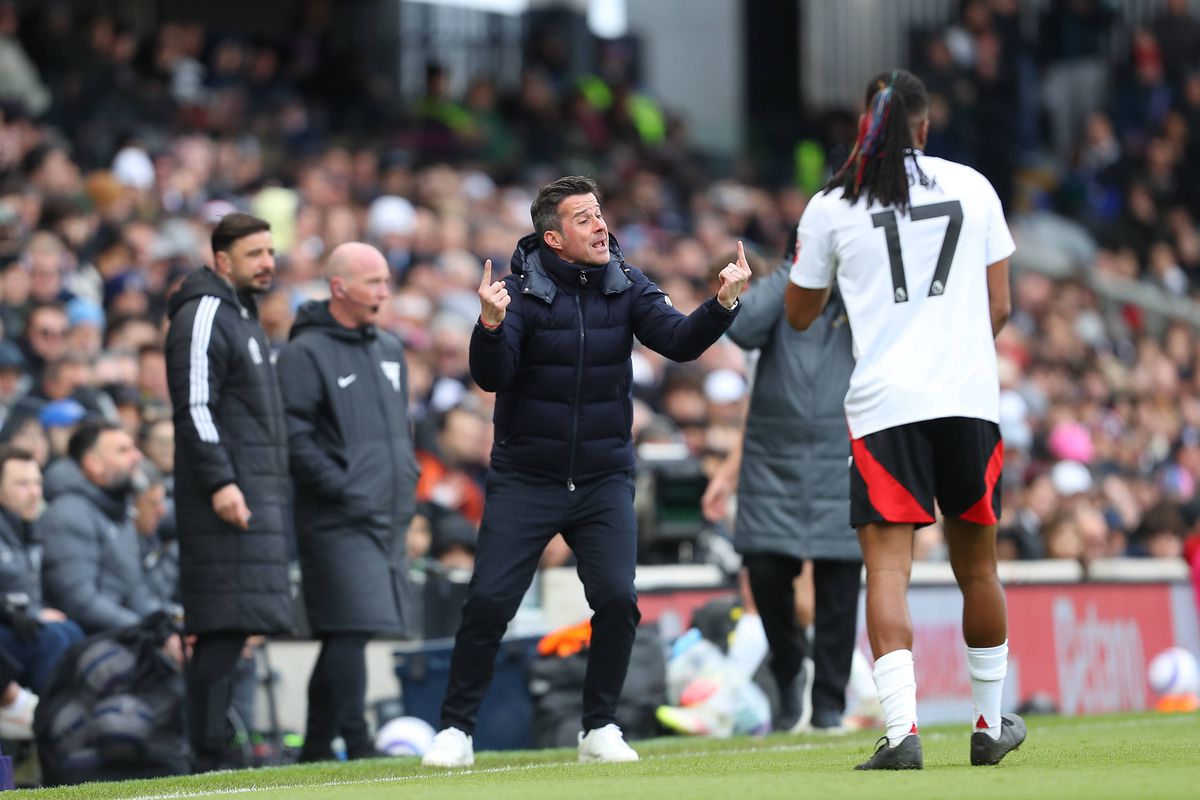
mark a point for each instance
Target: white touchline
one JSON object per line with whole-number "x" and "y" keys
{"x": 731, "y": 751}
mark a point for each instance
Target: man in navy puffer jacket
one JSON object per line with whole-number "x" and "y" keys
{"x": 553, "y": 341}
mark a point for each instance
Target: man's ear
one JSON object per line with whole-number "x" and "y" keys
{"x": 222, "y": 266}
{"x": 553, "y": 240}
{"x": 87, "y": 464}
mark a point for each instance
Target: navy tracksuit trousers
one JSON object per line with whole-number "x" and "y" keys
{"x": 522, "y": 513}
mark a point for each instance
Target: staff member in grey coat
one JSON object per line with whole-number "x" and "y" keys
{"x": 92, "y": 568}
{"x": 792, "y": 486}
{"x": 345, "y": 389}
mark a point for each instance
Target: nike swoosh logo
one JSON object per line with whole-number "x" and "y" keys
{"x": 347, "y": 380}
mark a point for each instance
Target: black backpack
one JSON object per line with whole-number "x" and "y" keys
{"x": 556, "y": 687}
{"x": 113, "y": 709}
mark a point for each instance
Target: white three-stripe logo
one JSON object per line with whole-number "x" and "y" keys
{"x": 206, "y": 429}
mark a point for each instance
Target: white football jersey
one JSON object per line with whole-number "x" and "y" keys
{"x": 915, "y": 288}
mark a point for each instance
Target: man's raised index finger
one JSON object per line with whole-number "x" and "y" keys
{"x": 487, "y": 273}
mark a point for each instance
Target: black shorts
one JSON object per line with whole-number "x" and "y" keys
{"x": 897, "y": 473}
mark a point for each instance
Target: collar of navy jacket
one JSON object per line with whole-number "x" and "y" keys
{"x": 542, "y": 273}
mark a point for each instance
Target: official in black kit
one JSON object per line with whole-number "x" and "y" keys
{"x": 345, "y": 388}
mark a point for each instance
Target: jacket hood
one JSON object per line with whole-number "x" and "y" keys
{"x": 204, "y": 281}
{"x": 527, "y": 264}
{"x": 64, "y": 477}
{"x": 315, "y": 316}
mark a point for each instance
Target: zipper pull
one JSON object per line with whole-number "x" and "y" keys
{"x": 583, "y": 277}
{"x": 570, "y": 485}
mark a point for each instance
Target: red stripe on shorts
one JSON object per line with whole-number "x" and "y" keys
{"x": 982, "y": 512}
{"x": 888, "y": 496}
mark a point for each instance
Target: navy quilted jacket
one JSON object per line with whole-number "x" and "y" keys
{"x": 559, "y": 363}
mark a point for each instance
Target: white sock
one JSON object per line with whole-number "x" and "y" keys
{"x": 987, "y": 667}
{"x": 896, "y": 681}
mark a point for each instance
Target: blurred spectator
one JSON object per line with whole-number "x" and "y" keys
{"x": 452, "y": 542}
{"x": 159, "y": 549}
{"x": 453, "y": 476}
{"x": 35, "y": 635}
{"x": 1178, "y": 35}
{"x": 93, "y": 568}
{"x": 156, "y": 440}
{"x": 20, "y": 81}
{"x": 60, "y": 419}
{"x": 85, "y": 332}
{"x": 1162, "y": 532}
{"x": 45, "y": 336}
{"x": 13, "y": 382}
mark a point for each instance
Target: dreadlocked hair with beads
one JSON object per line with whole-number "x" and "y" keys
{"x": 876, "y": 164}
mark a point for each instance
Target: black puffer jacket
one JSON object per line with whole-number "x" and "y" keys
{"x": 559, "y": 363}
{"x": 229, "y": 428}
{"x": 346, "y": 395}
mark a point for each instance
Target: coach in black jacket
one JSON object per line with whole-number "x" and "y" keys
{"x": 553, "y": 341}
{"x": 231, "y": 480}
{"x": 345, "y": 388}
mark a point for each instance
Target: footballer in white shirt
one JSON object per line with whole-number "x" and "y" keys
{"x": 919, "y": 249}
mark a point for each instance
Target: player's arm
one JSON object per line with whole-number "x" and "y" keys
{"x": 811, "y": 276}
{"x": 999, "y": 297}
{"x": 804, "y": 305}
{"x": 998, "y": 249}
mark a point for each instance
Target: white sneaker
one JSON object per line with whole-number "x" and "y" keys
{"x": 16, "y": 718}
{"x": 605, "y": 745}
{"x": 450, "y": 748}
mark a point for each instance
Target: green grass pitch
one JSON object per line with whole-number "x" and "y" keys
{"x": 1126, "y": 756}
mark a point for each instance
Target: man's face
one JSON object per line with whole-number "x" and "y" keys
{"x": 10, "y": 383}
{"x": 584, "y": 235}
{"x": 48, "y": 333}
{"x": 459, "y": 440}
{"x": 151, "y": 507}
{"x": 250, "y": 262}
{"x": 363, "y": 289}
{"x": 21, "y": 489}
{"x": 112, "y": 460}
{"x": 159, "y": 444}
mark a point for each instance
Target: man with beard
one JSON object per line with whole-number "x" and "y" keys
{"x": 345, "y": 388}
{"x": 92, "y": 568}
{"x": 231, "y": 479}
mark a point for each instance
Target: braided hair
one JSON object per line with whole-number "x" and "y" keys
{"x": 876, "y": 164}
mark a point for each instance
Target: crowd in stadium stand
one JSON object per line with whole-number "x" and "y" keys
{"x": 118, "y": 152}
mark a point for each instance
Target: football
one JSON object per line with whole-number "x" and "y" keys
{"x": 404, "y": 736}
{"x": 1174, "y": 672}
